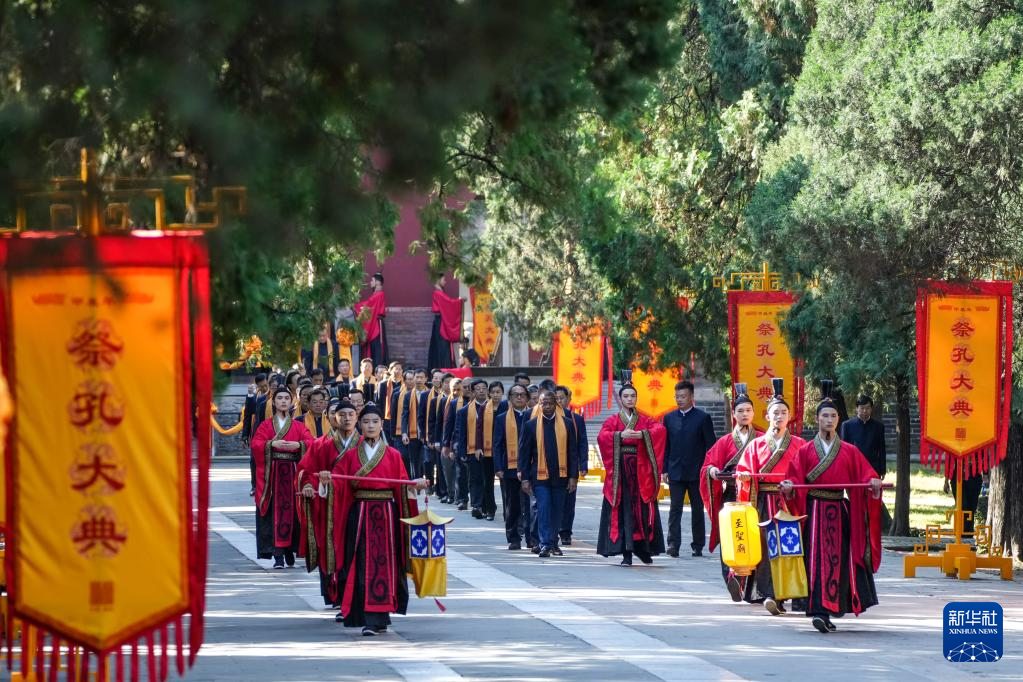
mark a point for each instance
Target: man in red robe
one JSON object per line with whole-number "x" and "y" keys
{"x": 764, "y": 465}
{"x": 368, "y": 535}
{"x": 632, "y": 448}
{"x": 315, "y": 511}
{"x": 277, "y": 446}
{"x": 447, "y": 326}
{"x": 842, "y": 551}
{"x": 371, "y": 312}
{"x": 721, "y": 460}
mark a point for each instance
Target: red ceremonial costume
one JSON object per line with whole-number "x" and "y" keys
{"x": 374, "y": 345}
{"x": 369, "y": 536}
{"x": 316, "y": 513}
{"x": 724, "y": 455}
{"x": 772, "y": 459}
{"x": 841, "y": 549}
{"x": 276, "y": 476}
{"x": 629, "y": 521}
{"x": 447, "y": 329}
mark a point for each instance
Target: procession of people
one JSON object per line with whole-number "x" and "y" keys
{"x": 339, "y": 459}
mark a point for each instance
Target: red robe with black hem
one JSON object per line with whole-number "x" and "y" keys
{"x": 276, "y": 478}
{"x": 648, "y": 464}
{"x": 849, "y": 466}
{"x": 385, "y": 549}
{"x": 314, "y": 512}
{"x": 712, "y": 490}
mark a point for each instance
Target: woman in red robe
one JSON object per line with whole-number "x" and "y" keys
{"x": 371, "y": 312}
{"x": 722, "y": 459}
{"x": 764, "y": 465}
{"x": 369, "y": 539}
{"x": 632, "y": 448}
{"x": 842, "y": 551}
{"x": 277, "y": 446}
{"x": 447, "y": 327}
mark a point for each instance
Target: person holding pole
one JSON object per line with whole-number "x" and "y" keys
{"x": 368, "y": 538}
{"x": 841, "y": 549}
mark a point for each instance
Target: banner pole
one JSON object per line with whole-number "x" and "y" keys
{"x": 958, "y": 524}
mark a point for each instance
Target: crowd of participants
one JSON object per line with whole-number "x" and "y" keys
{"x": 337, "y": 461}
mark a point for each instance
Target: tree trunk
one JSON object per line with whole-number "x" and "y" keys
{"x": 1005, "y": 496}
{"x": 900, "y": 519}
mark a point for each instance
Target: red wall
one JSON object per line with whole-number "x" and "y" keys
{"x": 406, "y": 278}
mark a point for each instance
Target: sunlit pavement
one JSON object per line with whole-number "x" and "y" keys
{"x": 513, "y": 616}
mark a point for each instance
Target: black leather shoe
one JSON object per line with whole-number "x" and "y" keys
{"x": 821, "y": 624}
{"x": 514, "y": 546}
{"x": 556, "y": 551}
{"x": 673, "y": 552}
{"x": 696, "y": 552}
{"x": 278, "y": 561}
{"x": 627, "y": 561}
{"x": 566, "y": 541}
{"x": 544, "y": 553}
{"x": 462, "y": 506}
{"x": 289, "y": 558}
{"x": 338, "y": 618}
{"x": 644, "y": 557}
{"x": 490, "y": 517}
{"x": 476, "y": 513}
{"x": 535, "y": 549}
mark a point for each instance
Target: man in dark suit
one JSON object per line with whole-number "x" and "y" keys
{"x": 690, "y": 435}
{"x": 867, "y": 434}
{"x": 582, "y": 447}
{"x": 551, "y": 474}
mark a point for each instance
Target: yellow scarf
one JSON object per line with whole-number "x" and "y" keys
{"x": 430, "y": 400}
{"x": 387, "y": 399}
{"x": 401, "y": 411}
{"x": 330, "y": 355}
{"x": 488, "y": 429}
{"x": 456, "y": 406}
{"x": 360, "y": 383}
{"x": 561, "y": 435}
{"x": 413, "y": 414}
{"x": 309, "y": 419}
{"x": 511, "y": 439}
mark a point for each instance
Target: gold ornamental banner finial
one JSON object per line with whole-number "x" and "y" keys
{"x": 92, "y": 204}
{"x": 763, "y": 280}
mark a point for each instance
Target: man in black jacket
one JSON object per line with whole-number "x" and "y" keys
{"x": 690, "y": 435}
{"x": 867, "y": 434}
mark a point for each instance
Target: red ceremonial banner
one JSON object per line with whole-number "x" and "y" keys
{"x": 106, "y": 345}
{"x": 758, "y": 352}
{"x": 964, "y": 374}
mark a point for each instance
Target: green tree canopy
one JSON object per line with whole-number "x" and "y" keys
{"x": 321, "y": 109}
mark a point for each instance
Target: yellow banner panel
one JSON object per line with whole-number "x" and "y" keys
{"x": 962, "y": 372}
{"x": 101, "y": 493}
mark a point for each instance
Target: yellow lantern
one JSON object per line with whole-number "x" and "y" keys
{"x": 740, "y": 537}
